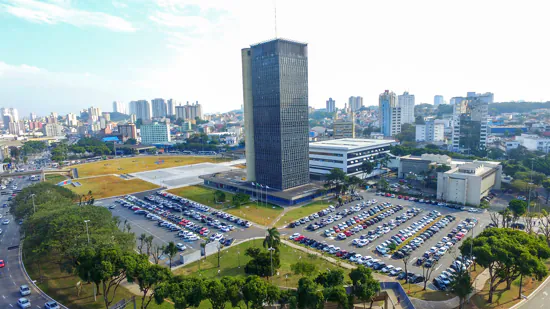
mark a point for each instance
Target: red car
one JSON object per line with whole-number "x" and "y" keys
{"x": 299, "y": 238}
{"x": 348, "y": 233}
{"x": 388, "y": 195}
{"x": 2, "y": 265}
{"x": 400, "y": 196}
{"x": 341, "y": 253}
{"x": 406, "y": 198}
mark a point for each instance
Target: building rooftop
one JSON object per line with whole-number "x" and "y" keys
{"x": 350, "y": 143}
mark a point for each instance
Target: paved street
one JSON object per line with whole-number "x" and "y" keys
{"x": 12, "y": 276}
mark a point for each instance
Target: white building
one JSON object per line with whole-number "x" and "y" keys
{"x": 119, "y": 107}
{"x": 71, "y": 120}
{"x": 155, "y": 133}
{"x": 389, "y": 114}
{"x": 53, "y": 129}
{"x": 430, "y": 132}
{"x": 355, "y": 103}
{"x": 406, "y": 102}
{"x": 142, "y": 109}
{"x": 346, "y": 154}
{"x": 180, "y": 112}
{"x": 438, "y": 100}
{"x": 534, "y": 142}
{"x": 159, "y": 108}
{"x": 469, "y": 182}
{"x": 171, "y": 107}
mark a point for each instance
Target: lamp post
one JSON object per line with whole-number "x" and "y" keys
{"x": 239, "y": 258}
{"x": 87, "y": 232}
{"x": 271, "y": 249}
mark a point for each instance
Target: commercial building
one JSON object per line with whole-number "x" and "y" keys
{"x": 346, "y": 154}
{"x": 275, "y": 88}
{"x": 406, "y": 103}
{"x": 355, "y": 103}
{"x": 469, "y": 182}
{"x": 71, "y": 120}
{"x": 343, "y": 129}
{"x": 127, "y": 131}
{"x": 142, "y": 109}
{"x": 171, "y": 107}
{"x": 507, "y": 130}
{"x": 119, "y": 107}
{"x": 330, "y": 105}
{"x": 420, "y": 166}
{"x": 389, "y": 114}
{"x": 470, "y": 126}
{"x": 53, "y": 129}
{"x": 430, "y": 132}
{"x": 155, "y": 133}
{"x": 159, "y": 108}
{"x": 534, "y": 142}
{"x": 438, "y": 100}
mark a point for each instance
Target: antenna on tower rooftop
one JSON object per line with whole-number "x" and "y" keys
{"x": 275, "y": 11}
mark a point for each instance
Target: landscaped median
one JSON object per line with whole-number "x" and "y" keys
{"x": 203, "y": 195}
{"x": 301, "y": 212}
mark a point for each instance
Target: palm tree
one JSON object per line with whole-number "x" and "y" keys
{"x": 141, "y": 239}
{"x": 272, "y": 239}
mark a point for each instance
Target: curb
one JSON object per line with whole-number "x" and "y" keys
{"x": 523, "y": 301}
{"x": 42, "y": 293}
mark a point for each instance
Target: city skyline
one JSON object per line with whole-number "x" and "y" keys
{"x": 59, "y": 76}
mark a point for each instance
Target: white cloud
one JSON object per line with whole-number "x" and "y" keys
{"x": 119, "y": 5}
{"x": 50, "y": 13}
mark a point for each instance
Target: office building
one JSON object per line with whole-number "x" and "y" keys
{"x": 53, "y": 129}
{"x": 430, "y": 132}
{"x": 71, "y": 120}
{"x": 155, "y": 133}
{"x": 438, "y": 100}
{"x": 469, "y": 132}
{"x": 355, "y": 103}
{"x": 171, "y": 107}
{"x": 343, "y": 129}
{"x": 142, "y": 109}
{"x": 389, "y": 114}
{"x": 275, "y": 87}
{"x": 127, "y": 131}
{"x": 487, "y": 98}
{"x": 119, "y": 107}
{"x": 93, "y": 113}
{"x": 469, "y": 182}
{"x": 12, "y": 112}
{"x": 406, "y": 103}
{"x": 6, "y": 120}
{"x": 346, "y": 154}
{"x": 330, "y": 105}
{"x": 159, "y": 107}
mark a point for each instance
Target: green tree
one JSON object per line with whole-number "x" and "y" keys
{"x": 171, "y": 250}
{"x": 303, "y": 268}
{"x": 261, "y": 262}
{"x": 330, "y": 278}
{"x": 130, "y": 141}
{"x": 272, "y": 239}
{"x": 141, "y": 244}
{"x": 219, "y": 196}
{"x": 366, "y": 167}
{"x": 461, "y": 286}
{"x": 407, "y": 133}
{"x": 518, "y": 208}
{"x": 240, "y": 199}
{"x": 308, "y": 294}
{"x": 254, "y": 292}
{"x": 419, "y": 120}
{"x": 365, "y": 286}
{"x": 233, "y": 289}
{"x": 383, "y": 184}
{"x": 217, "y": 294}
{"x": 149, "y": 276}
{"x": 184, "y": 291}
{"x": 546, "y": 186}
{"x": 338, "y": 295}
{"x": 507, "y": 254}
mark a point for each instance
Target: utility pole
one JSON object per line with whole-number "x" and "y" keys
{"x": 87, "y": 232}
{"x": 219, "y": 247}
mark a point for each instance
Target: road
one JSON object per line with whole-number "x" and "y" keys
{"x": 12, "y": 275}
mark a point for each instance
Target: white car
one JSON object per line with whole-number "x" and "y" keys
{"x": 355, "y": 258}
{"x": 6, "y": 222}
{"x": 294, "y": 236}
{"x": 24, "y": 290}
{"x": 180, "y": 246}
{"x": 23, "y": 303}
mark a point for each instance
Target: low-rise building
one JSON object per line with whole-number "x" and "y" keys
{"x": 420, "y": 165}
{"x": 469, "y": 182}
{"x": 343, "y": 129}
{"x": 155, "y": 133}
{"x": 346, "y": 154}
{"x": 534, "y": 142}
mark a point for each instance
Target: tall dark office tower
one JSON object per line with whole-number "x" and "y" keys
{"x": 275, "y": 86}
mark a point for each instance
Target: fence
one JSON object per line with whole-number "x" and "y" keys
{"x": 404, "y": 298}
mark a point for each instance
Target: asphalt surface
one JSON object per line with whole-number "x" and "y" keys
{"x": 12, "y": 276}
{"x": 369, "y": 250}
{"x": 161, "y": 236}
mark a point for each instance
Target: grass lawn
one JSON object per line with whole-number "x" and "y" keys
{"x": 416, "y": 291}
{"x": 62, "y": 287}
{"x": 301, "y": 212}
{"x": 230, "y": 259}
{"x": 264, "y": 215}
{"x": 107, "y": 186}
{"x": 203, "y": 195}
{"x": 138, "y": 164}
{"x": 55, "y": 179}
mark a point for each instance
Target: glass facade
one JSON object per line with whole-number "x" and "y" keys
{"x": 280, "y": 109}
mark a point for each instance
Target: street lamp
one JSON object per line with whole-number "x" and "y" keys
{"x": 271, "y": 249}
{"x": 87, "y": 233}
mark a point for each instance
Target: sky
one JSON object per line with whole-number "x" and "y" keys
{"x": 66, "y": 55}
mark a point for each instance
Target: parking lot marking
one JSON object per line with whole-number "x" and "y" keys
{"x": 414, "y": 259}
{"x": 438, "y": 267}
{"x": 133, "y": 222}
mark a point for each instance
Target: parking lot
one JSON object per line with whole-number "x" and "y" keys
{"x": 364, "y": 233}
{"x": 171, "y": 218}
